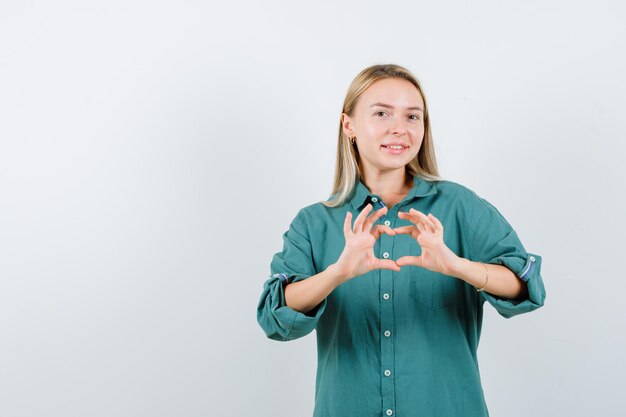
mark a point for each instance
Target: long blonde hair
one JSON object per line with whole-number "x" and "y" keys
{"x": 347, "y": 170}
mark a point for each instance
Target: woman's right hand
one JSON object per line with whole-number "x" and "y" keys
{"x": 358, "y": 256}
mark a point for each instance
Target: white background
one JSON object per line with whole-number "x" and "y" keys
{"x": 152, "y": 153}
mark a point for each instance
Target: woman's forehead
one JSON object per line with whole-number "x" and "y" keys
{"x": 392, "y": 92}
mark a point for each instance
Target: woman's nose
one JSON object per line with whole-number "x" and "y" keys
{"x": 398, "y": 127}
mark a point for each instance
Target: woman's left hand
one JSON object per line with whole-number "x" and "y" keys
{"x": 428, "y": 231}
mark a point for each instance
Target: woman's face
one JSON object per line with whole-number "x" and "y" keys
{"x": 390, "y": 112}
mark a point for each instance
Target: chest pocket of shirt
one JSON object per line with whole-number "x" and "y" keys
{"x": 432, "y": 289}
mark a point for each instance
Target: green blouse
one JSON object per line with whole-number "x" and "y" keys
{"x": 398, "y": 343}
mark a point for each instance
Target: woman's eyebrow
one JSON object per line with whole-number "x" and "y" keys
{"x": 391, "y": 107}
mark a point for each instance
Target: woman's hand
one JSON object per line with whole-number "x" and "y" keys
{"x": 428, "y": 231}
{"x": 358, "y": 257}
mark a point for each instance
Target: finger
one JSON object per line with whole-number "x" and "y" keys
{"x": 386, "y": 264}
{"x": 428, "y": 225}
{"x": 406, "y": 230}
{"x": 405, "y": 214}
{"x": 347, "y": 223}
{"x": 409, "y": 260}
{"x": 358, "y": 223}
{"x": 418, "y": 213}
{"x": 409, "y": 230}
{"x": 408, "y": 216}
{"x": 416, "y": 217}
{"x": 372, "y": 219}
{"x": 436, "y": 221}
{"x": 379, "y": 229}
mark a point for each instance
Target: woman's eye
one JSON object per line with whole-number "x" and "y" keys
{"x": 380, "y": 113}
{"x": 415, "y": 116}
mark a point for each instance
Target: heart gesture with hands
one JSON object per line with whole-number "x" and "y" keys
{"x": 358, "y": 256}
{"x": 428, "y": 231}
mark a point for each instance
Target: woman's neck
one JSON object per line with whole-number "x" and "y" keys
{"x": 389, "y": 186}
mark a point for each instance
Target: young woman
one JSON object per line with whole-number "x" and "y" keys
{"x": 394, "y": 268}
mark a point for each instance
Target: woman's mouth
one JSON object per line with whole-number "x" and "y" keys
{"x": 394, "y": 149}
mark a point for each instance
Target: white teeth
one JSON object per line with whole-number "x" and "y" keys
{"x": 394, "y": 147}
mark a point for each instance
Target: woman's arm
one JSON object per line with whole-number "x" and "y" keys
{"x": 304, "y": 295}
{"x": 502, "y": 281}
{"x": 436, "y": 256}
{"x": 357, "y": 258}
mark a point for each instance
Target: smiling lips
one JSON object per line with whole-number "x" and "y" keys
{"x": 394, "y": 149}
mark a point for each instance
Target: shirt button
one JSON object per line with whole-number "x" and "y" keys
{"x": 374, "y": 199}
{"x": 387, "y": 372}
{"x": 389, "y": 412}
{"x": 387, "y": 333}
{"x": 385, "y": 296}
{"x": 386, "y": 255}
{"x": 387, "y": 222}
{"x": 532, "y": 258}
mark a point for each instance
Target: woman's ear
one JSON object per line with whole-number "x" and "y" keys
{"x": 347, "y": 125}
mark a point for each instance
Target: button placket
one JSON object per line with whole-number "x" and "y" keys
{"x": 387, "y": 314}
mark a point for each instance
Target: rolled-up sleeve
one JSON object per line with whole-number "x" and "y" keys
{"x": 294, "y": 263}
{"x": 494, "y": 241}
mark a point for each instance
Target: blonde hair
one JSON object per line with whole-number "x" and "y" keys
{"x": 347, "y": 170}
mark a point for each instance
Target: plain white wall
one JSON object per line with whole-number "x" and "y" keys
{"x": 152, "y": 153}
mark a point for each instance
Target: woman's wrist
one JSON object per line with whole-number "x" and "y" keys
{"x": 337, "y": 274}
{"x": 471, "y": 272}
{"x": 449, "y": 262}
